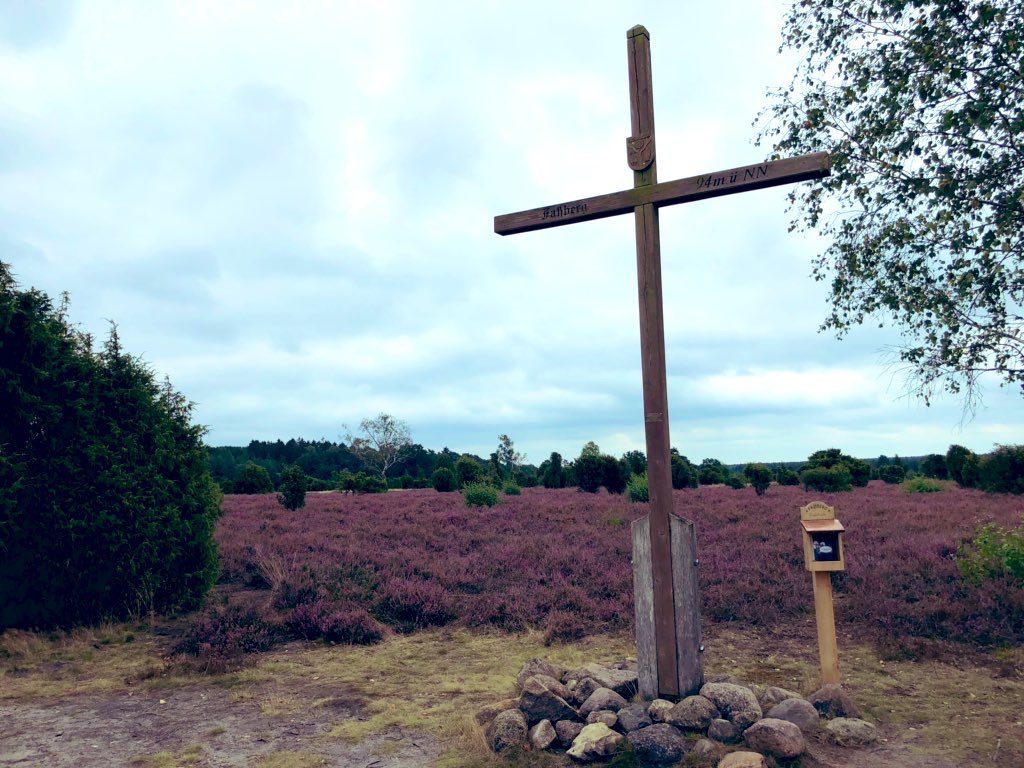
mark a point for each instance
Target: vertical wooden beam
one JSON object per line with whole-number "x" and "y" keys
{"x": 687, "y": 605}
{"x": 643, "y": 606}
{"x": 652, "y": 351}
{"x": 828, "y": 650}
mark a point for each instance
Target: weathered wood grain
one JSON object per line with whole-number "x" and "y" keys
{"x": 690, "y": 661}
{"x": 685, "y": 608}
{"x": 828, "y": 649}
{"x": 745, "y": 178}
{"x": 643, "y": 606}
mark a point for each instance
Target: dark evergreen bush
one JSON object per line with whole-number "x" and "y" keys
{"x": 787, "y": 477}
{"x": 292, "y": 488}
{"x": 892, "y": 473}
{"x": 107, "y": 507}
{"x": 1002, "y": 471}
{"x": 684, "y": 474}
{"x": 468, "y": 471}
{"x": 759, "y": 476}
{"x": 444, "y": 480}
{"x": 252, "y": 478}
{"x": 827, "y": 479}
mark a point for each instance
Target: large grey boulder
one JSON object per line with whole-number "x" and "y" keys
{"x": 507, "y": 730}
{"x": 660, "y": 744}
{"x": 773, "y": 695}
{"x": 832, "y": 701}
{"x": 542, "y": 735}
{"x": 851, "y": 732}
{"x": 567, "y": 730}
{"x": 538, "y": 703}
{"x": 605, "y": 716}
{"x": 800, "y": 712}
{"x": 489, "y": 712}
{"x": 579, "y": 691}
{"x": 552, "y": 684}
{"x": 538, "y": 667}
{"x": 723, "y": 731}
{"x": 622, "y": 681}
{"x": 779, "y": 738}
{"x": 737, "y": 704}
{"x": 594, "y": 742}
{"x": 694, "y": 713}
{"x": 633, "y": 718}
{"x": 602, "y": 698}
{"x": 658, "y": 709}
{"x": 703, "y": 747}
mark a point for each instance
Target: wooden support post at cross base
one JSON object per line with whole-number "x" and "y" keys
{"x": 664, "y": 544}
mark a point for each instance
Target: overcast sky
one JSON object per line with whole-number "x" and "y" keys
{"x": 288, "y": 209}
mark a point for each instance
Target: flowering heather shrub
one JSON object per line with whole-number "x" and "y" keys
{"x": 414, "y": 604}
{"x": 221, "y": 637}
{"x": 312, "y": 621}
{"x": 420, "y": 558}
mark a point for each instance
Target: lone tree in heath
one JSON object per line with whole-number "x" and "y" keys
{"x": 381, "y": 443}
{"x": 920, "y": 105}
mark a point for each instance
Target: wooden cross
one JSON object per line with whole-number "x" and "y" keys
{"x": 664, "y": 544}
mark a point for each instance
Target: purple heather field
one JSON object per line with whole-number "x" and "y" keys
{"x": 347, "y": 566}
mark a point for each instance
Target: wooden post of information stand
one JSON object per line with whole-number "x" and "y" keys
{"x": 823, "y": 553}
{"x": 664, "y": 544}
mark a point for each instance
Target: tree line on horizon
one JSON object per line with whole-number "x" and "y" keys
{"x": 260, "y": 466}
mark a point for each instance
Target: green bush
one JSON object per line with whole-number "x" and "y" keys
{"x": 827, "y": 479}
{"x": 735, "y": 481}
{"x": 359, "y": 482}
{"x": 480, "y": 495}
{"x": 252, "y": 478}
{"x": 787, "y": 477}
{"x": 993, "y": 551}
{"x": 892, "y": 473}
{"x": 712, "y": 472}
{"x": 292, "y": 488}
{"x": 923, "y": 485}
{"x": 444, "y": 480}
{"x": 511, "y": 489}
{"x": 963, "y": 466}
{"x": 468, "y": 471}
{"x": 637, "y": 489}
{"x": 107, "y": 507}
{"x": 759, "y": 476}
{"x": 589, "y": 472}
{"x": 684, "y": 474}
{"x": 552, "y": 474}
{"x": 367, "y": 483}
{"x": 860, "y": 471}
{"x": 1002, "y": 471}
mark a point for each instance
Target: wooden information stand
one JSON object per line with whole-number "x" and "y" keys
{"x": 664, "y": 545}
{"x": 823, "y": 553}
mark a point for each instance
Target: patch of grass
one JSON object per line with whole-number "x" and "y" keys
{"x": 220, "y": 730}
{"x": 433, "y": 681}
{"x": 99, "y": 659}
{"x": 955, "y": 708}
{"x": 191, "y": 755}
{"x": 291, "y": 760}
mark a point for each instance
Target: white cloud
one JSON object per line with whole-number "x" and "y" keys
{"x": 288, "y": 209}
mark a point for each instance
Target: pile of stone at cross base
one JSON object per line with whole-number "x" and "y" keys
{"x": 593, "y": 712}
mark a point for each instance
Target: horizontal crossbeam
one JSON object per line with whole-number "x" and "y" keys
{"x": 743, "y": 179}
